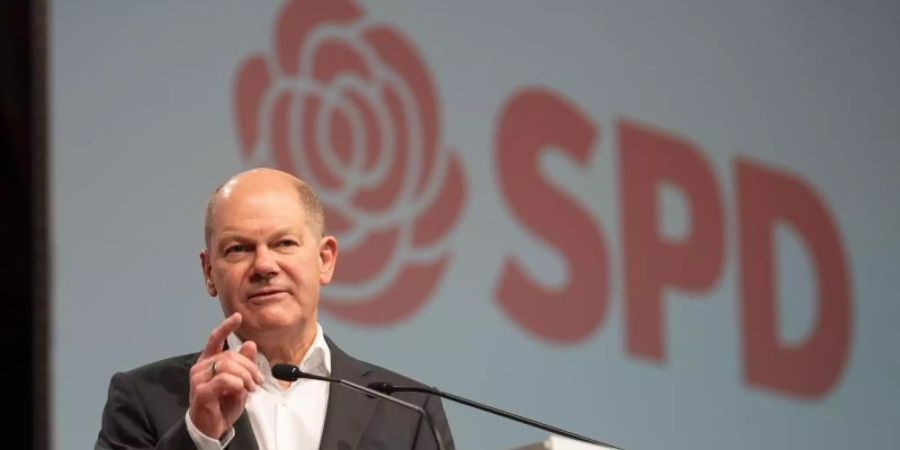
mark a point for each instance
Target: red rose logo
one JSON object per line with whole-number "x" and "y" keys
{"x": 348, "y": 105}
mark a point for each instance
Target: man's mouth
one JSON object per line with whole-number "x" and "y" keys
{"x": 265, "y": 295}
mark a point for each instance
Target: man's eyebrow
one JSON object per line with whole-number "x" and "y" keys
{"x": 284, "y": 231}
{"x": 228, "y": 239}
{"x": 234, "y": 235}
{"x": 230, "y": 235}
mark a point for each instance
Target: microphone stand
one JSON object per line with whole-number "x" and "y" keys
{"x": 288, "y": 372}
{"x": 389, "y": 388}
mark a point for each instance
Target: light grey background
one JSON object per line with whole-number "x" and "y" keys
{"x": 142, "y": 130}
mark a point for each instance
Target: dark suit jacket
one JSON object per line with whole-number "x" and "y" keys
{"x": 146, "y": 407}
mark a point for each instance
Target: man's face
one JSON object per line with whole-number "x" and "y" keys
{"x": 265, "y": 261}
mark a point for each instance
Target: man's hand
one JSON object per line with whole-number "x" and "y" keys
{"x": 221, "y": 381}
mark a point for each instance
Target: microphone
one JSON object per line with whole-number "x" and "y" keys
{"x": 290, "y": 372}
{"x": 388, "y": 388}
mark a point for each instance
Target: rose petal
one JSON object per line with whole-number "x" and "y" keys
{"x": 335, "y": 58}
{"x": 399, "y": 301}
{"x": 437, "y": 220}
{"x": 251, "y": 82}
{"x": 366, "y": 260}
{"x": 298, "y": 18}
{"x": 398, "y": 54}
{"x": 323, "y": 176}
{"x": 341, "y": 135}
{"x": 280, "y": 120}
{"x": 382, "y": 196}
{"x": 336, "y": 223}
{"x": 373, "y": 133}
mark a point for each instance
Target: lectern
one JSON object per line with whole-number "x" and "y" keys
{"x": 560, "y": 443}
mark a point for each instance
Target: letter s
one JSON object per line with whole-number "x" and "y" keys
{"x": 533, "y": 120}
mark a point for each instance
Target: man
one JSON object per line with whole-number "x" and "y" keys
{"x": 266, "y": 258}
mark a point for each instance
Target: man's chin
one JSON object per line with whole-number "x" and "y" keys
{"x": 272, "y": 318}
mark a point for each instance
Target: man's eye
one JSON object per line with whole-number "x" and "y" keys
{"x": 286, "y": 243}
{"x": 235, "y": 249}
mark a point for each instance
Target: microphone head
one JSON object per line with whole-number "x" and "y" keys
{"x": 382, "y": 386}
{"x": 286, "y": 372}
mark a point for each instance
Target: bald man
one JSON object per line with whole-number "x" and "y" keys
{"x": 266, "y": 258}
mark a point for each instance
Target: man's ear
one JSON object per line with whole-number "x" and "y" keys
{"x": 328, "y": 253}
{"x": 206, "y": 266}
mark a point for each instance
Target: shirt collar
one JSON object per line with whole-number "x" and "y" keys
{"x": 316, "y": 361}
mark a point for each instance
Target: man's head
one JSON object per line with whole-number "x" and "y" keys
{"x": 308, "y": 200}
{"x": 266, "y": 256}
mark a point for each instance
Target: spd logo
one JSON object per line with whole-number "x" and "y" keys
{"x": 348, "y": 105}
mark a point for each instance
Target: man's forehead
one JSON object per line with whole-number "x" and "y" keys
{"x": 247, "y": 185}
{"x": 260, "y": 192}
{"x": 243, "y": 205}
{"x": 226, "y": 190}
{"x": 235, "y": 231}
{"x": 267, "y": 214}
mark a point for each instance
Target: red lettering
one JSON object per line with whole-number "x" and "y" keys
{"x": 651, "y": 262}
{"x": 532, "y": 121}
{"x": 766, "y": 198}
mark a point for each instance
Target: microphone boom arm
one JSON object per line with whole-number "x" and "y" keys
{"x": 288, "y": 371}
{"x": 390, "y": 388}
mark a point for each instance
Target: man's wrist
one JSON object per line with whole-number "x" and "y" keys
{"x": 204, "y": 442}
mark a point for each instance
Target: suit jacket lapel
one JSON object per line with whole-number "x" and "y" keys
{"x": 244, "y": 439}
{"x": 348, "y": 411}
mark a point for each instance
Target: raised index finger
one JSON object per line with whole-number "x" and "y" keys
{"x": 217, "y": 337}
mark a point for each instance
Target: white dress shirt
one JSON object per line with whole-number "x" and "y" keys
{"x": 282, "y": 418}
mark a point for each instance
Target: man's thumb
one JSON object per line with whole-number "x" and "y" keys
{"x": 248, "y": 349}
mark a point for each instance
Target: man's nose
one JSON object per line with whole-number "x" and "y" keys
{"x": 264, "y": 263}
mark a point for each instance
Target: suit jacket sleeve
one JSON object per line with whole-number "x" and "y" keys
{"x": 126, "y": 423}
